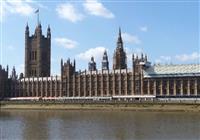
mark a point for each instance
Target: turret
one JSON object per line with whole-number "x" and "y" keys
{"x": 133, "y": 57}
{"x": 27, "y": 31}
{"x": 48, "y": 32}
{"x": 74, "y": 65}
{"x": 92, "y": 64}
{"x": 105, "y": 63}
{"x": 38, "y": 30}
{"x": 61, "y": 65}
{"x": 145, "y": 58}
{"x": 119, "y": 40}
{"x": 7, "y": 70}
{"x": 13, "y": 75}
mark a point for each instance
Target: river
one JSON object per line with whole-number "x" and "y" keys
{"x": 98, "y": 125}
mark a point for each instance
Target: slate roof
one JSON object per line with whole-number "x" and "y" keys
{"x": 172, "y": 70}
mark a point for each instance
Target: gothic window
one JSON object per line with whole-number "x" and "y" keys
{"x": 35, "y": 55}
{"x": 198, "y": 87}
{"x": 32, "y": 55}
{"x": 29, "y": 55}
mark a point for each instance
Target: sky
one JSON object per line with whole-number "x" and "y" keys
{"x": 167, "y": 31}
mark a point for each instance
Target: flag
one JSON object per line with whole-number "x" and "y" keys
{"x": 37, "y": 11}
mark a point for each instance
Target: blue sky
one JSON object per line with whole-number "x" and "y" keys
{"x": 167, "y": 31}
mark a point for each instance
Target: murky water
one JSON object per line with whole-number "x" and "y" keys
{"x": 98, "y": 125}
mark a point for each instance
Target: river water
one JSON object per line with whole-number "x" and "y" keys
{"x": 98, "y": 125}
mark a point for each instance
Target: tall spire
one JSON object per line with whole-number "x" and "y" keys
{"x": 48, "y": 32}
{"x": 27, "y": 30}
{"x": 119, "y": 41}
{"x": 119, "y": 31}
{"x": 119, "y": 59}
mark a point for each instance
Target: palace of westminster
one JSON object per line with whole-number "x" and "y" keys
{"x": 142, "y": 79}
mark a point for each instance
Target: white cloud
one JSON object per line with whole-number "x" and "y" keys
{"x": 93, "y": 7}
{"x": 195, "y": 56}
{"x": 188, "y": 57}
{"x": 21, "y": 7}
{"x": 97, "y": 53}
{"x": 66, "y": 43}
{"x": 163, "y": 59}
{"x": 144, "y": 28}
{"x": 68, "y": 11}
{"x": 135, "y": 51}
{"x": 128, "y": 38}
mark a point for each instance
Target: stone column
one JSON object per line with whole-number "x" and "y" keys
{"x": 90, "y": 84}
{"x": 161, "y": 86}
{"x": 51, "y": 87}
{"x": 42, "y": 88}
{"x": 174, "y": 88}
{"x": 181, "y": 87}
{"x": 74, "y": 85}
{"x": 33, "y": 88}
{"x": 56, "y": 86}
{"x": 23, "y": 89}
{"x": 79, "y": 90}
{"x": 85, "y": 78}
{"x": 67, "y": 86}
{"x": 108, "y": 84}
{"x": 102, "y": 87}
{"x": 46, "y": 86}
{"x": 60, "y": 88}
{"x": 167, "y": 87}
{"x": 148, "y": 87}
{"x": 195, "y": 87}
{"x": 154, "y": 87}
{"x": 120, "y": 84}
{"x": 141, "y": 80}
{"x": 96, "y": 89}
{"x": 188, "y": 87}
{"x": 114, "y": 83}
{"x": 126, "y": 83}
{"x": 28, "y": 87}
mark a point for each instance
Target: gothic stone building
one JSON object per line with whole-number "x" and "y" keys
{"x": 141, "y": 79}
{"x": 37, "y": 53}
{"x": 3, "y": 81}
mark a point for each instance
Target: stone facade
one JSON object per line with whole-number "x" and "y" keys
{"x": 3, "y": 81}
{"x": 142, "y": 79}
{"x": 37, "y": 53}
{"x": 36, "y": 87}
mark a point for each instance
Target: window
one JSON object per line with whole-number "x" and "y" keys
{"x": 29, "y": 55}
{"x": 32, "y": 56}
{"x": 35, "y": 55}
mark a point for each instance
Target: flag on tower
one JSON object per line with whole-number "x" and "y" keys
{"x": 37, "y": 11}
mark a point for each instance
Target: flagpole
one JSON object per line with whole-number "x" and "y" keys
{"x": 37, "y": 12}
{"x": 38, "y": 16}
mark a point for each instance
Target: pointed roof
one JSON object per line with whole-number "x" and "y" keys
{"x": 27, "y": 27}
{"x": 105, "y": 56}
{"x": 119, "y": 37}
